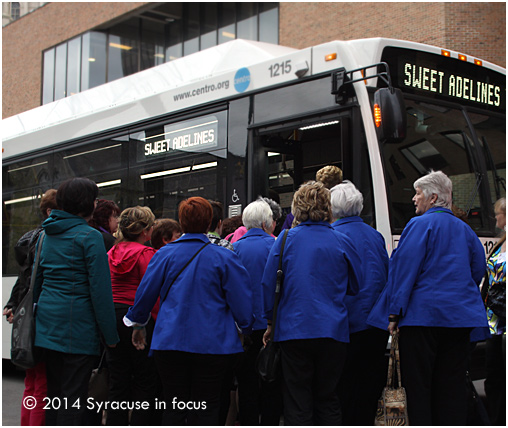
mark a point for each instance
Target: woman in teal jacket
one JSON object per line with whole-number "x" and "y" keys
{"x": 74, "y": 300}
{"x": 432, "y": 296}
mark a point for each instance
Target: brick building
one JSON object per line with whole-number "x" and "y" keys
{"x": 40, "y": 37}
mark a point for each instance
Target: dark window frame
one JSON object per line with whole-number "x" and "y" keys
{"x": 140, "y": 39}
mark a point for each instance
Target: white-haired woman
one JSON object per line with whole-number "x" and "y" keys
{"x": 253, "y": 249}
{"x": 364, "y": 373}
{"x": 432, "y": 296}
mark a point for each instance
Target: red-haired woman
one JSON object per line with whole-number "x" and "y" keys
{"x": 195, "y": 340}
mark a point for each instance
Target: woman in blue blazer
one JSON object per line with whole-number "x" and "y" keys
{"x": 433, "y": 298}
{"x": 253, "y": 249}
{"x": 364, "y": 374}
{"x": 195, "y": 339}
{"x": 320, "y": 267}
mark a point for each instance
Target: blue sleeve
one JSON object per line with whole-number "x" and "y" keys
{"x": 478, "y": 262}
{"x": 148, "y": 291}
{"x": 405, "y": 266}
{"x": 235, "y": 283}
{"x": 99, "y": 279}
{"x": 288, "y": 222}
{"x": 270, "y": 279}
{"x": 355, "y": 275}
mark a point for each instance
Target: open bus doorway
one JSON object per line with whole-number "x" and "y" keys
{"x": 287, "y": 156}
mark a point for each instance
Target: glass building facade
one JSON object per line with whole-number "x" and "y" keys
{"x": 153, "y": 37}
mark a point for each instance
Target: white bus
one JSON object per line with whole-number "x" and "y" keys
{"x": 244, "y": 119}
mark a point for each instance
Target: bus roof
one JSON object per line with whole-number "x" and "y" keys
{"x": 220, "y": 72}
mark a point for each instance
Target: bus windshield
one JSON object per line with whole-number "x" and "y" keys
{"x": 444, "y": 132}
{"x": 440, "y": 138}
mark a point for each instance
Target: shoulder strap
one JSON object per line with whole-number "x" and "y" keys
{"x": 278, "y": 286}
{"x": 181, "y": 270}
{"x": 36, "y": 261}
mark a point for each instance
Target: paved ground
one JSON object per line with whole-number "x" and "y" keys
{"x": 12, "y": 393}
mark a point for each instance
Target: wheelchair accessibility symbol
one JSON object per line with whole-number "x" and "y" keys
{"x": 235, "y": 197}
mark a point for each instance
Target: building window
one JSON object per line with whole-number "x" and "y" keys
{"x": 93, "y": 60}
{"x": 15, "y": 10}
{"x": 164, "y": 33}
{"x": 123, "y": 50}
{"x": 48, "y": 79}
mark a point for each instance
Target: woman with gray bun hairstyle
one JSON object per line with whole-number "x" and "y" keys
{"x": 364, "y": 372}
{"x": 274, "y": 206}
{"x": 433, "y": 298}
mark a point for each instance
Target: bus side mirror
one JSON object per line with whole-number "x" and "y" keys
{"x": 390, "y": 115}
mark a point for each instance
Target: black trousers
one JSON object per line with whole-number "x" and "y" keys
{"x": 433, "y": 364}
{"x": 132, "y": 375}
{"x": 248, "y": 382}
{"x": 67, "y": 378}
{"x": 363, "y": 377}
{"x": 193, "y": 385}
{"x": 258, "y": 402}
{"x": 311, "y": 370}
{"x": 495, "y": 382}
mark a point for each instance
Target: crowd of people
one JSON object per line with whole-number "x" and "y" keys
{"x": 181, "y": 308}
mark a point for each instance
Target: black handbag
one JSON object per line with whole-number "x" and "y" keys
{"x": 98, "y": 385}
{"x": 23, "y": 352}
{"x": 268, "y": 359}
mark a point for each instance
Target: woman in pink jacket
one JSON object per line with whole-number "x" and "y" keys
{"x": 133, "y": 377}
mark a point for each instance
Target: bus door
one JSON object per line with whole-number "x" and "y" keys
{"x": 285, "y": 155}
{"x": 293, "y": 155}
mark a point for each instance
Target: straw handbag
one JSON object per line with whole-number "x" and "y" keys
{"x": 392, "y": 406}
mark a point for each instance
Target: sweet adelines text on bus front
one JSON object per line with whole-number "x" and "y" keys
{"x": 452, "y": 85}
{"x": 447, "y": 78}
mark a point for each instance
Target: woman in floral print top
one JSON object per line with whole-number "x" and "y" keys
{"x": 495, "y": 382}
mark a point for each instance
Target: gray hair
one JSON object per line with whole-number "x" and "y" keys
{"x": 257, "y": 213}
{"x": 436, "y": 183}
{"x": 274, "y": 206}
{"x": 500, "y": 205}
{"x": 347, "y": 200}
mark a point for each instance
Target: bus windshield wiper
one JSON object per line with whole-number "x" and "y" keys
{"x": 498, "y": 180}
{"x": 474, "y": 192}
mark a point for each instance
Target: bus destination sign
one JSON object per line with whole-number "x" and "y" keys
{"x": 184, "y": 138}
{"x": 195, "y": 135}
{"x": 446, "y": 78}
{"x": 443, "y": 83}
